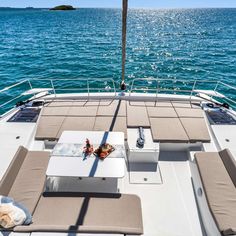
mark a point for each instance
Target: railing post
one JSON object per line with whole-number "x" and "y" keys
{"x": 216, "y": 85}
{"x": 54, "y": 91}
{"x": 88, "y": 89}
{"x": 30, "y": 84}
{"x": 191, "y": 94}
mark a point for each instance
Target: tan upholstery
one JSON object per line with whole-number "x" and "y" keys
{"x": 168, "y": 130}
{"x": 29, "y": 182}
{"x": 12, "y": 171}
{"x": 219, "y": 190}
{"x": 185, "y": 104}
{"x": 76, "y": 124}
{"x": 230, "y": 164}
{"x": 108, "y": 123}
{"x": 115, "y": 214}
{"x": 54, "y": 111}
{"x": 89, "y": 109}
{"x": 189, "y": 112}
{"x": 161, "y": 112}
{"x": 137, "y": 115}
{"x": 158, "y": 104}
{"x": 196, "y": 129}
{"x": 48, "y": 127}
{"x": 58, "y": 104}
{"x": 112, "y": 108}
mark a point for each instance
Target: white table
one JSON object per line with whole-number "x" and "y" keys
{"x": 78, "y": 166}
{"x": 96, "y": 137}
{"x": 86, "y": 168}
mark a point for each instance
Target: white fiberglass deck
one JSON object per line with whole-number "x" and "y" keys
{"x": 169, "y": 207}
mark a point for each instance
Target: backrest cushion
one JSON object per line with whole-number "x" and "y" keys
{"x": 12, "y": 171}
{"x": 29, "y": 182}
{"x": 229, "y": 163}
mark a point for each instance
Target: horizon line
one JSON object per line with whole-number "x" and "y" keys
{"x": 144, "y": 8}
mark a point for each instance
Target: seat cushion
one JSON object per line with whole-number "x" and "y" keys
{"x": 88, "y": 109}
{"x": 219, "y": 190}
{"x": 161, "y": 112}
{"x": 12, "y": 171}
{"x": 54, "y": 111}
{"x": 58, "y": 103}
{"x": 189, "y": 112}
{"x": 48, "y": 127}
{"x": 158, "y": 104}
{"x": 168, "y": 130}
{"x": 112, "y": 108}
{"x": 137, "y": 115}
{"x": 196, "y": 129}
{"x": 76, "y": 124}
{"x": 29, "y": 182}
{"x": 186, "y": 104}
{"x": 104, "y": 213}
{"x": 108, "y": 123}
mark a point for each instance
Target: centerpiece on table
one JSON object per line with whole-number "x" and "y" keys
{"x": 104, "y": 150}
{"x": 88, "y": 149}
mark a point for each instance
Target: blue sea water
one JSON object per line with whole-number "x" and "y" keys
{"x": 181, "y": 43}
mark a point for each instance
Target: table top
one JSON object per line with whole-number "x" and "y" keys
{"x": 95, "y": 137}
{"x": 90, "y": 167}
{"x": 67, "y": 159}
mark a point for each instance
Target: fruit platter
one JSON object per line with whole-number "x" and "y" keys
{"x": 104, "y": 150}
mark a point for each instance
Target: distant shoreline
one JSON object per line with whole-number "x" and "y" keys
{"x": 131, "y": 8}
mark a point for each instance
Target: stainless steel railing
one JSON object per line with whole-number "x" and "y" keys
{"x": 55, "y": 86}
{"x": 144, "y": 85}
{"x": 159, "y": 86}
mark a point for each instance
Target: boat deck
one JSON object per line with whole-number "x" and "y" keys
{"x": 169, "y": 207}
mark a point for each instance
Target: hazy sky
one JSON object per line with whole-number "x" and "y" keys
{"x": 117, "y": 3}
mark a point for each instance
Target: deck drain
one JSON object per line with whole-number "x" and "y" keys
{"x": 145, "y": 179}
{"x": 17, "y": 137}
{"x": 227, "y": 140}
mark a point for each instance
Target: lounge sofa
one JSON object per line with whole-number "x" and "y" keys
{"x": 218, "y": 176}
{"x": 67, "y": 212}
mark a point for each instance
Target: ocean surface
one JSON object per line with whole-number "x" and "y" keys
{"x": 184, "y": 44}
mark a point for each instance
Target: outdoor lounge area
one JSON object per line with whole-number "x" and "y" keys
{"x": 185, "y": 122}
{"x": 24, "y": 181}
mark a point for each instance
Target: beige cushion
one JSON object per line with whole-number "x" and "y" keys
{"x": 89, "y": 108}
{"x": 12, "y": 171}
{"x": 109, "y": 123}
{"x": 137, "y": 115}
{"x": 30, "y": 180}
{"x": 48, "y": 127}
{"x": 230, "y": 164}
{"x": 54, "y": 111}
{"x": 168, "y": 130}
{"x": 189, "y": 112}
{"x": 219, "y": 190}
{"x": 112, "y": 108}
{"x": 77, "y": 124}
{"x": 161, "y": 112}
{"x": 114, "y": 214}
{"x": 186, "y": 104}
{"x": 196, "y": 129}
{"x": 58, "y": 103}
{"x": 159, "y": 104}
